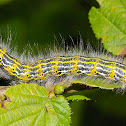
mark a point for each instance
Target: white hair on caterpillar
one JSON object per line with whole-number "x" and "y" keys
{"x": 58, "y": 50}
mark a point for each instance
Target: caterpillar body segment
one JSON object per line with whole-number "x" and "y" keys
{"x": 58, "y": 66}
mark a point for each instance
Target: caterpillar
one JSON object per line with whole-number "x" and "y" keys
{"x": 60, "y": 66}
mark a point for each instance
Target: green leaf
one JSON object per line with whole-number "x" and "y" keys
{"x": 2, "y": 111}
{"x": 98, "y": 82}
{"x": 77, "y": 97}
{"x": 31, "y": 106}
{"x": 109, "y": 23}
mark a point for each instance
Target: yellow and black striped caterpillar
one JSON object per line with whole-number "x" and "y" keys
{"x": 58, "y": 66}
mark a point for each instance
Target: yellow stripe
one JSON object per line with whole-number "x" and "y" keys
{"x": 27, "y": 67}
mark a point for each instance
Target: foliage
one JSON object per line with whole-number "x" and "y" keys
{"x": 108, "y": 23}
{"x": 34, "y": 105}
{"x": 98, "y": 82}
{"x": 77, "y": 97}
{"x": 30, "y": 105}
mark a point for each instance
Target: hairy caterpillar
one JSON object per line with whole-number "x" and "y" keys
{"x": 60, "y": 66}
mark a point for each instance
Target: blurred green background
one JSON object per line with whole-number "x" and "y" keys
{"x": 48, "y": 21}
{"x": 44, "y": 21}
